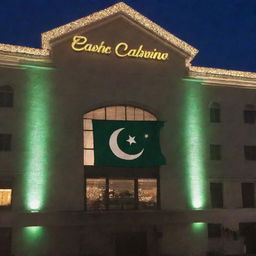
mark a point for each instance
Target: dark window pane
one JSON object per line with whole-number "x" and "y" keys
{"x": 215, "y": 152}
{"x": 5, "y": 142}
{"x": 121, "y": 194}
{"x": 6, "y": 96}
{"x": 215, "y": 115}
{"x": 250, "y": 152}
{"x": 96, "y": 194}
{"x": 214, "y": 230}
{"x": 216, "y": 190}
{"x": 249, "y": 116}
{"x": 248, "y": 195}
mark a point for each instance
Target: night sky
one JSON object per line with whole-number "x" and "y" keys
{"x": 224, "y": 31}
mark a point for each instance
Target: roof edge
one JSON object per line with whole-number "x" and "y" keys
{"x": 120, "y": 7}
{"x": 16, "y": 49}
{"x": 205, "y": 71}
{"x": 223, "y": 77}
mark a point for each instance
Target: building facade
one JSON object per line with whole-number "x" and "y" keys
{"x": 118, "y": 65}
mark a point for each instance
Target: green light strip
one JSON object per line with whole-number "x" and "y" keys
{"x": 194, "y": 144}
{"x": 36, "y": 139}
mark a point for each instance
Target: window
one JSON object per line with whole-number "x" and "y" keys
{"x": 121, "y": 194}
{"x": 117, "y": 188}
{"x": 215, "y": 152}
{"x": 249, "y": 114}
{"x": 147, "y": 193}
{"x": 6, "y": 96}
{"x": 216, "y": 190}
{"x": 5, "y": 194}
{"x": 96, "y": 194}
{"x": 109, "y": 113}
{"x": 5, "y": 197}
{"x": 5, "y": 142}
{"x": 250, "y": 152}
{"x": 248, "y": 195}
{"x": 214, "y": 230}
{"x": 215, "y": 113}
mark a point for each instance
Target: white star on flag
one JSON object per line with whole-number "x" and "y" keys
{"x": 131, "y": 140}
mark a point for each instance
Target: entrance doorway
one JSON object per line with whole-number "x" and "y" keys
{"x": 248, "y": 231}
{"x": 131, "y": 244}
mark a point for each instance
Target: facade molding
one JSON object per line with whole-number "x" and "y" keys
{"x": 223, "y": 77}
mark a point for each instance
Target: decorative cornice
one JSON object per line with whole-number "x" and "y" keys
{"x": 14, "y": 60}
{"x": 223, "y": 77}
{"x": 16, "y": 49}
{"x": 221, "y": 72}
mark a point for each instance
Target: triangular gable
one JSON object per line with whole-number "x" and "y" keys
{"x": 120, "y": 8}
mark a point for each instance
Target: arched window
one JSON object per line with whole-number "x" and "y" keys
{"x": 215, "y": 113}
{"x": 249, "y": 114}
{"x": 6, "y": 96}
{"x": 117, "y": 188}
{"x": 109, "y": 113}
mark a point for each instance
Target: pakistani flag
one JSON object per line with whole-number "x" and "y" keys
{"x": 127, "y": 143}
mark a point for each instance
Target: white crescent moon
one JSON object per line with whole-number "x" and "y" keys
{"x": 117, "y": 151}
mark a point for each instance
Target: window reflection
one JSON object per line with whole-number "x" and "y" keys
{"x": 95, "y": 192}
{"x": 121, "y": 194}
{"x": 147, "y": 193}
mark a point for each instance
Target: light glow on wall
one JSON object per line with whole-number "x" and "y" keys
{"x": 32, "y": 230}
{"x": 194, "y": 142}
{"x": 33, "y": 240}
{"x": 198, "y": 227}
{"x": 36, "y": 160}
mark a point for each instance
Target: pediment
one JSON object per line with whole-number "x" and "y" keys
{"x": 118, "y": 12}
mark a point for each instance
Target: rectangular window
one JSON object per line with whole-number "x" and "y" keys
{"x": 214, "y": 230}
{"x": 5, "y": 193}
{"x": 250, "y": 152}
{"x": 216, "y": 190}
{"x": 248, "y": 195}
{"x": 215, "y": 115}
{"x": 147, "y": 193}
{"x": 96, "y": 194}
{"x": 249, "y": 116}
{"x": 5, "y": 197}
{"x": 215, "y": 152}
{"x": 6, "y": 99}
{"x": 5, "y": 142}
{"x": 121, "y": 194}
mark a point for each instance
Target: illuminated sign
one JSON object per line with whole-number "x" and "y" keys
{"x": 122, "y": 49}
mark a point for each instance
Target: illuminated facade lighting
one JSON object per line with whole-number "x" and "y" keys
{"x": 194, "y": 144}
{"x": 36, "y": 160}
{"x": 32, "y": 237}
